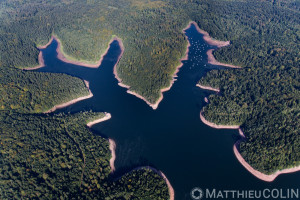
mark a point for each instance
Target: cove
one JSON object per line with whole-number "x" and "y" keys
{"x": 172, "y": 138}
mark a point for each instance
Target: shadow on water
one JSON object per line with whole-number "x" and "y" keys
{"x": 172, "y": 138}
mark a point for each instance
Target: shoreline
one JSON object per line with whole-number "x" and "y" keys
{"x": 209, "y": 39}
{"x": 162, "y": 90}
{"x": 170, "y": 188}
{"x": 61, "y": 56}
{"x": 63, "y": 105}
{"x": 64, "y": 57}
{"x": 217, "y": 126}
{"x": 112, "y": 148}
{"x": 208, "y": 88}
{"x": 211, "y": 59}
{"x": 92, "y": 123}
{"x": 46, "y": 45}
{"x": 40, "y": 57}
{"x": 161, "y": 174}
{"x": 154, "y": 106}
{"x": 112, "y": 144}
{"x": 258, "y": 174}
{"x": 254, "y": 172}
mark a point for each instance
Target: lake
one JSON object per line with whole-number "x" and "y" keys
{"x": 172, "y": 138}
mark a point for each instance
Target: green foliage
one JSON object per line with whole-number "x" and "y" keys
{"x": 151, "y": 55}
{"x": 57, "y": 157}
{"x": 264, "y": 96}
{"x": 35, "y": 92}
{"x": 126, "y": 187}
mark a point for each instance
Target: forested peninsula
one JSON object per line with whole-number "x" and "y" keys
{"x": 263, "y": 96}
{"x": 53, "y": 155}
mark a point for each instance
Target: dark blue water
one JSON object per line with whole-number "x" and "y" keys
{"x": 172, "y": 138}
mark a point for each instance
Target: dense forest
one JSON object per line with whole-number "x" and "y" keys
{"x": 264, "y": 96}
{"x": 33, "y": 92}
{"x": 55, "y": 155}
{"x": 86, "y": 33}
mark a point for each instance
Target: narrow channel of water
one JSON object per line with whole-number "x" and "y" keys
{"x": 172, "y": 138}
